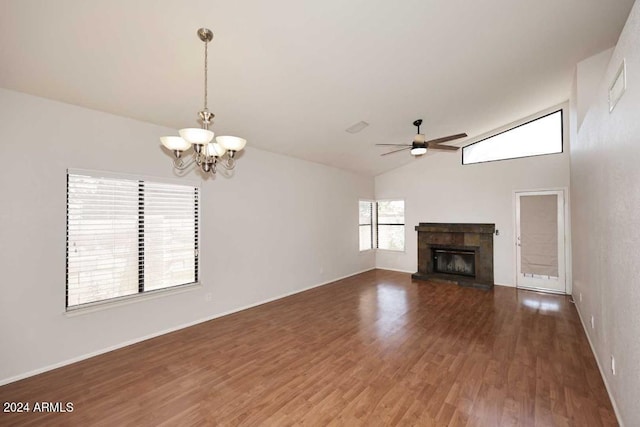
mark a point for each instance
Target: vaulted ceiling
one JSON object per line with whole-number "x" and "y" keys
{"x": 291, "y": 75}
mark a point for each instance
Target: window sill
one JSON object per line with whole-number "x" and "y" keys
{"x": 393, "y": 251}
{"x": 131, "y": 299}
{"x": 399, "y": 251}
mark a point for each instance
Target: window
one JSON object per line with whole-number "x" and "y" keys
{"x": 366, "y": 225}
{"x": 536, "y": 137}
{"x": 390, "y": 225}
{"x": 382, "y": 225}
{"x": 127, "y": 236}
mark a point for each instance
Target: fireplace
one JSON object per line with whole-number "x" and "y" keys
{"x": 457, "y": 262}
{"x": 459, "y": 253}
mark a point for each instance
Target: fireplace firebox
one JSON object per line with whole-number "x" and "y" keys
{"x": 449, "y": 261}
{"x": 458, "y": 253}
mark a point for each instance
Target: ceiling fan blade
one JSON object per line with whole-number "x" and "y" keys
{"x": 433, "y": 146}
{"x": 395, "y": 151}
{"x": 447, "y": 138}
{"x": 397, "y": 145}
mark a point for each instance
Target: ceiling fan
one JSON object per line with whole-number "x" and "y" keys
{"x": 419, "y": 146}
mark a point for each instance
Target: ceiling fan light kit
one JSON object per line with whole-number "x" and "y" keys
{"x": 206, "y": 155}
{"x": 419, "y": 146}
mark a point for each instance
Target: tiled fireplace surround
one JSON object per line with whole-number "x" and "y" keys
{"x": 457, "y": 237}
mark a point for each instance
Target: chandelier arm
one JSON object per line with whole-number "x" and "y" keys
{"x": 229, "y": 163}
{"x": 181, "y": 165}
{"x": 199, "y": 158}
{"x": 181, "y": 172}
{"x": 227, "y": 173}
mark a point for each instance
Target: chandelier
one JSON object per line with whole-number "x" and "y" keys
{"x": 207, "y": 155}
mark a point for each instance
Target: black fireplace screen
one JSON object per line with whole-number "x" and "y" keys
{"x": 454, "y": 262}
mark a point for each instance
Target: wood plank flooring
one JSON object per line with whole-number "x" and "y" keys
{"x": 373, "y": 349}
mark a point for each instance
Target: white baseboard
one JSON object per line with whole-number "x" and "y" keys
{"x": 504, "y": 285}
{"x": 604, "y": 378}
{"x": 51, "y": 367}
{"x": 396, "y": 269}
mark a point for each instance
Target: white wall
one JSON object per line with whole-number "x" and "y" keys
{"x": 278, "y": 226}
{"x": 438, "y": 188}
{"x": 605, "y": 185}
{"x": 589, "y": 74}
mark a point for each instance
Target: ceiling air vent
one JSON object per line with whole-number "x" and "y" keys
{"x": 357, "y": 127}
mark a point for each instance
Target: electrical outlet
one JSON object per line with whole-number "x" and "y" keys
{"x": 593, "y": 322}
{"x": 208, "y": 297}
{"x": 321, "y": 269}
{"x": 613, "y": 364}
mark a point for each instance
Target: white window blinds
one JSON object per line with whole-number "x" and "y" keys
{"x": 128, "y": 236}
{"x": 366, "y": 225}
{"x": 382, "y": 225}
{"x": 170, "y": 235}
{"x": 390, "y": 229}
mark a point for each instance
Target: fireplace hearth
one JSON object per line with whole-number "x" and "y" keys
{"x": 459, "y": 253}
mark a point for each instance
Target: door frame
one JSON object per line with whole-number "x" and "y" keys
{"x": 566, "y": 227}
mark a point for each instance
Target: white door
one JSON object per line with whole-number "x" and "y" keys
{"x": 540, "y": 252}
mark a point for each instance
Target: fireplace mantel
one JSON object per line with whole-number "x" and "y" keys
{"x": 469, "y": 237}
{"x": 437, "y": 227}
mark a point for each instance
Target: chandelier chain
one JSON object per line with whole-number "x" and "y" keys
{"x": 206, "y": 69}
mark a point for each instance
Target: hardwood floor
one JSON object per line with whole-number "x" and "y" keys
{"x": 373, "y": 349}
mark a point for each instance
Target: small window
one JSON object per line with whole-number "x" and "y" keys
{"x": 382, "y": 225}
{"x": 390, "y": 225}
{"x": 128, "y": 236}
{"x": 537, "y": 137}
{"x": 366, "y": 225}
